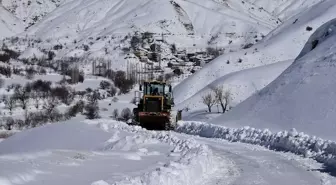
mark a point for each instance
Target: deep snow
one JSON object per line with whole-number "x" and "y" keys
{"x": 302, "y": 97}
{"x": 105, "y": 152}
{"x": 323, "y": 151}
{"x": 102, "y": 151}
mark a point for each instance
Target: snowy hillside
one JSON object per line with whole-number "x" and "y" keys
{"x": 283, "y": 43}
{"x": 105, "y": 28}
{"x": 285, "y": 9}
{"x": 241, "y": 84}
{"x": 32, "y": 11}
{"x": 302, "y": 97}
{"x": 177, "y": 17}
{"x": 9, "y": 24}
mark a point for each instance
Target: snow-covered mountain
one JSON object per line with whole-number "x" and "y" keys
{"x": 9, "y": 24}
{"x": 302, "y": 97}
{"x": 282, "y": 44}
{"x": 82, "y": 19}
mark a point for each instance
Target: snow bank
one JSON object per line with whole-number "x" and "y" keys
{"x": 196, "y": 160}
{"x": 323, "y": 151}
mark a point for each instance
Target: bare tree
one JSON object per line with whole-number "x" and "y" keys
{"x": 22, "y": 94}
{"x": 50, "y": 104}
{"x": 10, "y": 104}
{"x": 37, "y": 97}
{"x": 115, "y": 113}
{"x": 222, "y": 97}
{"x": 209, "y": 101}
{"x": 227, "y": 98}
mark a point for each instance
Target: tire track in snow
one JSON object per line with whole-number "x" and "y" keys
{"x": 255, "y": 165}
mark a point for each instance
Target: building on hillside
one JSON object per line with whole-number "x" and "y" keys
{"x": 100, "y": 69}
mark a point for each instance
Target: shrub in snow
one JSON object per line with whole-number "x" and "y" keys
{"x": 112, "y": 91}
{"x": 178, "y": 71}
{"x": 30, "y": 73}
{"x": 122, "y": 82}
{"x": 22, "y": 94}
{"x": 41, "y": 86}
{"x": 4, "y": 57}
{"x": 91, "y": 111}
{"x": 126, "y": 114}
{"x": 105, "y": 84}
{"x": 75, "y": 109}
{"x": 6, "y": 71}
{"x": 63, "y": 93}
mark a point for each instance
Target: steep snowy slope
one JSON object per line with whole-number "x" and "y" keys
{"x": 241, "y": 84}
{"x": 31, "y": 11}
{"x": 284, "y": 43}
{"x": 302, "y": 97}
{"x": 284, "y": 9}
{"x": 9, "y": 24}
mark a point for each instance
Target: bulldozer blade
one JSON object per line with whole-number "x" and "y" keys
{"x": 157, "y": 121}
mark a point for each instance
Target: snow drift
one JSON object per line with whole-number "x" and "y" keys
{"x": 197, "y": 159}
{"x": 321, "y": 150}
{"x": 302, "y": 97}
{"x": 133, "y": 154}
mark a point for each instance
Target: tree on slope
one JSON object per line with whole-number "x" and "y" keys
{"x": 92, "y": 108}
{"x": 209, "y": 100}
{"x": 222, "y": 97}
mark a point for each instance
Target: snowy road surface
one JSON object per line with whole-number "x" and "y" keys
{"x": 253, "y": 165}
{"x": 117, "y": 154}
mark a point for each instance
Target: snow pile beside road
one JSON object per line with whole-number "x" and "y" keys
{"x": 197, "y": 160}
{"x": 323, "y": 151}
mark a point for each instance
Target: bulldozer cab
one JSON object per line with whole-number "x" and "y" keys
{"x": 156, "y": 88}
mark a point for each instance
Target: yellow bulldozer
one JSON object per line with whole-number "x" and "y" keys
{"x": 154, "y": 106}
